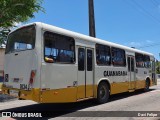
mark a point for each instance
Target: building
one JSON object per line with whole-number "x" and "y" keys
{"x": 158, "y": 76}
{"x": 2, "y": 50}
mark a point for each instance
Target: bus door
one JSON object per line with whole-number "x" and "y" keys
{"x": 85, "y": 73}
{"x": 131, "y": 72}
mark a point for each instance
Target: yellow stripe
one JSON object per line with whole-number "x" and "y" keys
{"x": 73, "y": 94}
{"x": 0, "y": 85}
{"x": 59, "y": 95}
{"x": 119, "y": 87}
{"x": 34, "y": 94}
{"x": 140, "y": 84}
{"x": 81, "y": 91}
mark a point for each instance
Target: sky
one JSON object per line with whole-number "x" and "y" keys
{"x": 133, "y": 23}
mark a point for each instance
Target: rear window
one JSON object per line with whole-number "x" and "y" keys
{"x": 22, "y": 39}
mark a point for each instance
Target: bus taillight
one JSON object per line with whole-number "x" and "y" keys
{"x": 32, "y": 77}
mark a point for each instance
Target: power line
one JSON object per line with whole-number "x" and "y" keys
{"x": 151, "y": 45}
{"x": 142, "y": 10}
{"x": 148, "y": 13}
{"x": 154, "y": 3}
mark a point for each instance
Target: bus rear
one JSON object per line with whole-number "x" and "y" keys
{"x": 21, "y": 64}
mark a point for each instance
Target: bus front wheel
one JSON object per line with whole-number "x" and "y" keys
{"x": 102, "y": 93}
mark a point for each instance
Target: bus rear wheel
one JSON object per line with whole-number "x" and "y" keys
{"x": 102, "y": 93}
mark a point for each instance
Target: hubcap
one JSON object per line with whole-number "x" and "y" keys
{"x": 102, "y": 92}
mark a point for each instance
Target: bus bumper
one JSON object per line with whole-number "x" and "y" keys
{"x": 47, "y": 96}
{"x": 33, "y": 94}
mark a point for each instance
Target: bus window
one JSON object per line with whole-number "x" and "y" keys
{"x": 129, "y": 63}
{"x": 147, "y": 62}
{"x": 118, "y": 57}
{"x": 103, "y": 56}
{"x": 89, "y": 60}
{"x": 81, "y": 57}
{"x": 59, "y": 48}
{"x": 22, "y": 39}
{"x": 132, "y": 64}
{"x": 139, "y": 60}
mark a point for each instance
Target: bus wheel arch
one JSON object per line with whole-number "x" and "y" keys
{"x": 147, "y": 84}
{"x": 103, "y": 91}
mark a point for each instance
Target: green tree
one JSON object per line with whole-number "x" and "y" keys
{"x": 3, "y": 35}
{"x": 157, "y": 67}
{"x": 15, "y": 11}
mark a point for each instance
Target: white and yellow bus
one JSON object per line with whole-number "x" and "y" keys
{"x": 48, "y": 64}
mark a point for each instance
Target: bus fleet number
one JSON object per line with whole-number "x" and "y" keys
{"x": 24, "y": 86}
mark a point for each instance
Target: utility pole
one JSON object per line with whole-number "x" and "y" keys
{"x": 91, "y": 19}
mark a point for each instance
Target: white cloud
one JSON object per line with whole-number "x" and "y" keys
{"x": 15, "y": 24}
{"x": 159, "y": 8}
{"x": 140, "y": 44}
{"x": 135, "y": 44}
{"x": 18, "y": 24}
{"x": 149, "y": 41}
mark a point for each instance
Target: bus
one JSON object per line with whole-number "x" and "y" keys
{"x": 48, "y": 64}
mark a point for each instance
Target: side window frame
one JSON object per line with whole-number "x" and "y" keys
{"x": 89, "y": 60}
{"x": 147, "y": 61}
{"x": 105, "y": 48}
{"x": 124, "y": 57}
{"x": 44, "y": 43}
{"x": 82, "y": 55}
{"x": 139, "y": 64}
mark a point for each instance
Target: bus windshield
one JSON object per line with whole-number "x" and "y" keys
{"x": 20, "y": 40}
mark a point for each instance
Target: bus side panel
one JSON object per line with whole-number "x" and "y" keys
{"x": 118, "y": 84}
{"x": 59, "y": 82}
{"x": 141, "y": 75}
{"x": 61, "y": 95}
{"x": 140, "y": 84}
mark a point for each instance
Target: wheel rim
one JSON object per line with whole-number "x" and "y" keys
{"x": 102, "y": 92}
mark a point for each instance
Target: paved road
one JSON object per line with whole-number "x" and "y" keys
{"x": 136, "y": 101}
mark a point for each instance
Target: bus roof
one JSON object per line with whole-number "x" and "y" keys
{"x": 85, "y": 37}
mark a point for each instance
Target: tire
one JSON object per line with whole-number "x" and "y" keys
{"x": 146, "y": 89}
{"x": 20, "y": 99}
{"x": 102, "y": 93}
